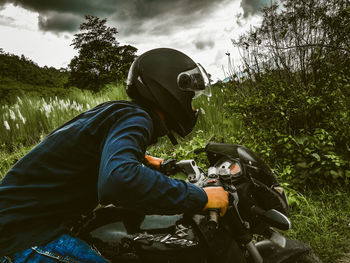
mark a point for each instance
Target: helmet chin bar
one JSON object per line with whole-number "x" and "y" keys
{"x": 171, "y": 135}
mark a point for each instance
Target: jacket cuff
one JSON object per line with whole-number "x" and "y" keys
{"x": 196, "y": 199}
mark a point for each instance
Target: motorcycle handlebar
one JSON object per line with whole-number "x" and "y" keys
{"x": 213, "y": 214}
{"x": 213, "y": 218}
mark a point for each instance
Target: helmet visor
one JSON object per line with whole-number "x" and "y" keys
{"x": 196, "y": 80}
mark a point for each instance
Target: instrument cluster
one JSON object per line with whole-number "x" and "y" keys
{"x": 227, "y": 169}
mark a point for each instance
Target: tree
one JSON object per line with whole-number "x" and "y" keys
{"x": 24, "y": 70}
{"x": 100, "y": 59}
{"x": 300, "y": 35}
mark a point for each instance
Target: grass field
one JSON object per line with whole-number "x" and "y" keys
{"x": 319, "y": 218}
{"x": 27, "y": 120}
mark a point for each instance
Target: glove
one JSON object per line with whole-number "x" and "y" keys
{"x": 217, "y": 199}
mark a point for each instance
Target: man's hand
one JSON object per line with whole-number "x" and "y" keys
{"x": 165, "y": 166}
{"x": 217, "y": 199}
{"x": 153, "y": 162}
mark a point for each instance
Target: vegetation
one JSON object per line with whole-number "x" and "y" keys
{"x": 20, "y": 74}
{"x": 24, "y": 70}
{"x": 315, "y": 221}
{"x": 289, "y": 102}
{"x": 322, "y": 220}
{"x": 293, "y": 99}
{"x": 31, "y": 117}
{"x": 101, "y": 60}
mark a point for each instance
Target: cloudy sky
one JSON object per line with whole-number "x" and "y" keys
{"x": 43, "y": 30}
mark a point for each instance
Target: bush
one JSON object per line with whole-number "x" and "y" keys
{"x": 297, "y": 129}
{"x": 293, "y": 97}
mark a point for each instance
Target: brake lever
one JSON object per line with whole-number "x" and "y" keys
{"x": 232, "y": 190}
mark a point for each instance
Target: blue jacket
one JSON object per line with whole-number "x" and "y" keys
{"x": 94, "y": 158}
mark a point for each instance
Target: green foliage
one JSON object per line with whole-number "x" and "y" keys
{"x": 101, "y": 60}
{"x": 184, "y": 150}
{"x": 22, "y": 69}
{"x": 8, "y": 159}
{"x": 321, "y": 219}
{"x": 297, "y": 129}
{"x": 20, "y": 74}
{"x": 293, "y": 99}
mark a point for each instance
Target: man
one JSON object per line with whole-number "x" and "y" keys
{"x": 97, "y": 158}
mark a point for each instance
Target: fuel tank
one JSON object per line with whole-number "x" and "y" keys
{"x": 125, "y": 236}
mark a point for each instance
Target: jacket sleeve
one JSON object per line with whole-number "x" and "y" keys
{"x": 123, "y": 180}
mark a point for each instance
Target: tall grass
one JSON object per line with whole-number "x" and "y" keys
{"x": 31, "y": 118}
{"x": 214, "y": 118}
{"x": 322, "y": 220}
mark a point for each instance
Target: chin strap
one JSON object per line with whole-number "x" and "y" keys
{"x": 163, "y": 127}
{"x": 167, "y": 131}
{"x": 172, "y": 138}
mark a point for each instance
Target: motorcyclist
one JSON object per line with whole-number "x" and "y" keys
{"x": 97, "y": 158}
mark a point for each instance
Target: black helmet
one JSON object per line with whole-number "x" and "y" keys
{"x": 167, "y": 80}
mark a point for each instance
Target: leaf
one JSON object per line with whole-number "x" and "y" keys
{"x": 334, "y": 173}
{"x": 316, "y": 171}
{"x": 347, "y": 173}
{"x": 300, "y": 140}
{"x": 318, "y": 158}
{"x": 302, "y": 165}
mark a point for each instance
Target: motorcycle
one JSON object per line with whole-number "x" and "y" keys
{"x": 246, "y": 234}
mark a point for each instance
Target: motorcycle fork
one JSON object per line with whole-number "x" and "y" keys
{"x": 254, "y": 252}
{"x": 245, "y": 237}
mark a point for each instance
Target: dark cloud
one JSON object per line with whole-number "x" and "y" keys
{"x": 129, "y": 16}
{"x": 159, "y": 17}
{"x": 251, "y": 7}
{"x": 57, "y": 22}
{"x": 204, "y": 44}
{"x": 81, "y": 7}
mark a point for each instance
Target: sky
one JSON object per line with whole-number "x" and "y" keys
{"x": 42, "y": 30}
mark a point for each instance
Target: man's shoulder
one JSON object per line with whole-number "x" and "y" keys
{"x": 104, "y": 115}
{"x": 120, "y": 105}
{"x": 124, "y": 111}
